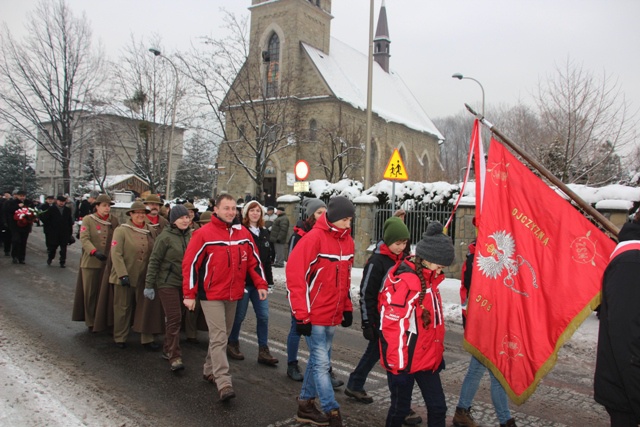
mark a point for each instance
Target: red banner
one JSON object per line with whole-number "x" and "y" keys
{"x": 536, "y": 276}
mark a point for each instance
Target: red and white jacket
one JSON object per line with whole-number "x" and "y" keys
{"x": 405, "y": 344}
{"x": 319, "y": 274}
{"x": 217, "y": 260}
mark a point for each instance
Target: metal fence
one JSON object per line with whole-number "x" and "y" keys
{"x": 417, "y": 217}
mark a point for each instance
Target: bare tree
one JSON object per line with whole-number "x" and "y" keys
{"x": 45, "y": 76}
{"x": 143, "y": 87}
{"x": 253, "y": 118}
{"x": 455, "y": 149}
{"x": 344, "y": 153}
{"x": 588, "y": 121}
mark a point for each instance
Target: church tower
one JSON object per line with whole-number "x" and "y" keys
{"x": 382, "y": 41}
{"x": 278, "y": 27}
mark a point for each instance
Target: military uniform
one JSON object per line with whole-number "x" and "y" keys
{"x": 95, "y": 235}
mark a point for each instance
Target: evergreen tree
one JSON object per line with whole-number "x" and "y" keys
{"x": 16, "y": 167}
{"x": 195, "y": 174}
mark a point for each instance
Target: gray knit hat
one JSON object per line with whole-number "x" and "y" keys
{"x": 178, "y": 211}
{"x": 435, "y": 246}
{"x": 340, "y": 208}
{"x": 312, "y": 205}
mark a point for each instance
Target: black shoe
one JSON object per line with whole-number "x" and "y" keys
{"x": 15, "y": 260}
{"x": 121, "y": 345}
{"x": 49, "y": 261}
{"x": 151, "y": 346}
{"x": 22, "y": 261}
{"x": 62, "y": 265}
{"x": 359, "y": 395}
{"x": 7, "y": 254}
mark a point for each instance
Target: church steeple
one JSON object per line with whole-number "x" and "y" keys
{"x": 382, "y": 41}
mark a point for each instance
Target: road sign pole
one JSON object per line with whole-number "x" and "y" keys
{"x": 393, "y": 198}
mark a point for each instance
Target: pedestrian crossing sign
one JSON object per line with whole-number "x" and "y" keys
{"x": 395, "y": 169}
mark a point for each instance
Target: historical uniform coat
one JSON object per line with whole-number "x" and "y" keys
{"x": 162, "y": 223}
{"x": 95, "y": 235}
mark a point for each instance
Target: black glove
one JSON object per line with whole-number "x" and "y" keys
{"x": 347, "y": 319}
{"x": 124, "y": 281}
{"x": 99, "y": 255}
{"x": 72, "y": 240}
{"x": 303, "y": 328}
{"x": 369, "y": 332}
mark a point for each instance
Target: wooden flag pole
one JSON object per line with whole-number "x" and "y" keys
{"x": 608, "y": 225}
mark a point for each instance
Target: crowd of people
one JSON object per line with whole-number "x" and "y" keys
{"x": 158, "y": 275}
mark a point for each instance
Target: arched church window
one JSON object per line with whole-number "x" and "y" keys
{"x": 313, "y": 130}
{"x": 272, "y": 65}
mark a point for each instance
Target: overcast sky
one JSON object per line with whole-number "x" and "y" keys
{"x": 508, "y": 45}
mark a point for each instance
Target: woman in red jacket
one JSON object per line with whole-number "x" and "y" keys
{"x": 412, "y": 328}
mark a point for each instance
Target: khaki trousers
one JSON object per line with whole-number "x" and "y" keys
{"x": 219, "y": 316}
{"x": 124, "y": 304}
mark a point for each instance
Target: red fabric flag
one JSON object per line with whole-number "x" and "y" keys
{"x": 536, "y": 276}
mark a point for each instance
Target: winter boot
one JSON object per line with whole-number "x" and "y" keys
{"x": 463, "y": 418}
{"x": 412, "y": 419}
{"x": 293, "y": 372}
{"x": 308, "y": 412}
{"x": 233, "y": 351}
{"x": 265, "y": 357}
{"x": 335, "y": 419}
{"x": 510, "y": 423}
{"x": 336, "y": 382}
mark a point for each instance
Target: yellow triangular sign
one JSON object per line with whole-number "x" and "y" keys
{"x": 395, "y": 169}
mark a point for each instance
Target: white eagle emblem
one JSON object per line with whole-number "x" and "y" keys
{"x": 502, "y": 257}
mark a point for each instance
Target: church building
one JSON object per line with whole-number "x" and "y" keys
{"x": 302, "y": 95}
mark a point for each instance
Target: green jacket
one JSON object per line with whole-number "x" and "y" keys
{"x": 165, "y": 264}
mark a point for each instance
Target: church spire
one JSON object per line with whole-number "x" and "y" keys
{"x": 382, "y": 41}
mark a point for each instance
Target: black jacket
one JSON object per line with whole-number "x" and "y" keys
{"x": 617, "y": 375}
{"x": 57, "y": 225}
{"x": 373, "y": 275}
{"x": 264, "y": 247}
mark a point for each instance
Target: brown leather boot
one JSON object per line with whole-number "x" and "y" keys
{"x": 233, "y": 351}
{"x": 335, "y": 419}
{"x": 265, "y": 357}
{"x": 510, "y": 423}
{"x": 463, "y": 418}
{"x": 308, "y": 412}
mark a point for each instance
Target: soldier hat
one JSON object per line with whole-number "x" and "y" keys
{"x": 137, "y": 206}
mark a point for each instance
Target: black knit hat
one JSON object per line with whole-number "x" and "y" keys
{"x": 339, "y": 208}
{"x": 435, "y": 246}
{"x": 629, "y": 231}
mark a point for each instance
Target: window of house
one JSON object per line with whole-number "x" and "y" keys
{"x": 273, "y": 65}
{"x": 313, "y": 130}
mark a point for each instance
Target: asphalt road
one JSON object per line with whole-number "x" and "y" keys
{"x": 36, "y": 302}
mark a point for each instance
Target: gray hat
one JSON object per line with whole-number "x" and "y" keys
{"x": 312, "y": 205}
{"x": 178, "y": 211}
{"x": 340, "y": 208}
{"x": 435, "y": 246}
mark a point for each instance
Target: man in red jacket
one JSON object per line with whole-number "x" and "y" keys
{"x": 215, "y": 265}
{"x": 319, "y": 281}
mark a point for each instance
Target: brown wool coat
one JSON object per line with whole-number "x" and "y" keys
{"x": 94, "y": 234}
{"x": 162, "y": 223}
{"x": 129, "y": 256}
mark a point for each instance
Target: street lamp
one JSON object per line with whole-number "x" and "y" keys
{"x": 156, "y": 52}
{"x": 460, "y": 77}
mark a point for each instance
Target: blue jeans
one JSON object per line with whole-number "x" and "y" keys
{"x": 293, "y": 343}
{"x": 470, "y": 387}
{"x": 401, "y": 388}
{"x": 261, "y": 307}
{"x": 317, "y": 380}
{"x": 368, "y": 360}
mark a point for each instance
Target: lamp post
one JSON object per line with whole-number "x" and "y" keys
{"x": 460, "y": 77}
{"x": 156, "y": 52}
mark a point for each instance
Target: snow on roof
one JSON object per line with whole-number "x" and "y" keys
{"x": 345, "y": 72}
{"x": 111, "y": 180}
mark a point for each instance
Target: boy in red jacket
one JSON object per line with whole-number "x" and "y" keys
{"x": 318, "y": 282}
{"x": 215, "y": 265}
